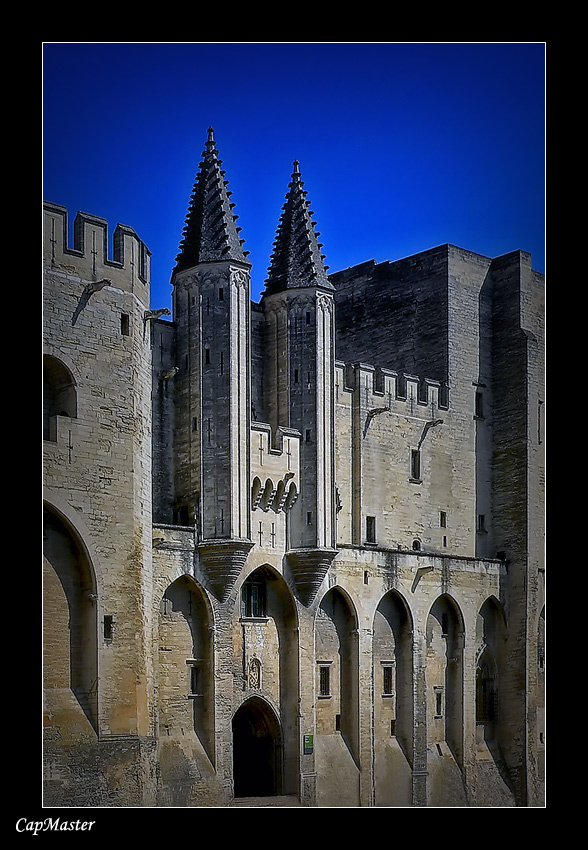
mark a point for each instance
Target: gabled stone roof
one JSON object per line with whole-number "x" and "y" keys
{"x": 210, "y": 234}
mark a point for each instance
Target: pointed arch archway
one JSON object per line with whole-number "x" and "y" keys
{"x": 186, "y": 667}
{"x": 393, "y": 670}
{"x": 490, "y": 662}
{"x": 70, "y": 641}
{"x": 59, "y": 394}
{"x": 337, "y": 659}
{"x": 268, "y": 626}
{"x": 445, "y": 634}
{"x": 257, "y": 750}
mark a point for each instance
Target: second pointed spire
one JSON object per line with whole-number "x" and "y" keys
{"x": 296, "y": 259}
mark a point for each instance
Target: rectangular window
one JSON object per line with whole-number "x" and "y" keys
{"x": 207, "y": 355}
{"x": 438, "y": 702}
{"x": 309, "y": 518}
{"x": 194, "y": 679}
{"x": 221, "y": 294}
{"x": 479, "y": 405}
{"x": 387, "y": 680}
{"x": 253, "y": 599}
{"x": 125, "y": 325}
{"x": 442, "y": 519}
{"x": 370, "y": 529}
{"x": 324, "y": 681}
{"x": 481, "y": 522}
{"x": 108, "y": 626}
{"x": 415, "y": 465}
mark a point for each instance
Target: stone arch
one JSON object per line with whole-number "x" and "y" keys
{"x": 279, "y": 496}
{"x": 257, "y": 749}
{"x": 270, "y": 657}
{"x": 337, "y": 659}
{"x": 268, "y": 495}
{"x": 70, "y": 629}
{"x": 59, "y": 394}
{"x": 444, "y": 671}
{"x": 393, "y": 670}
{"x": 186, "y": 664}
{"x": 490, "y": 662}
{"x": 256, "y": 492}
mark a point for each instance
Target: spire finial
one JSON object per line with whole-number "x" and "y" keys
{"x": 210, "y": 234}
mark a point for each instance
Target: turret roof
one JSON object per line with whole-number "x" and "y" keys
{"x": 210, "y": 233}
{"x": 296, "y": 259}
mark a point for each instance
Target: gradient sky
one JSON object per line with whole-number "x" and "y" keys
{"x": 402, "y": 146}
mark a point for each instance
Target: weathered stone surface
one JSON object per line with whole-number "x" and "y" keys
{"x": 293, "y": 547}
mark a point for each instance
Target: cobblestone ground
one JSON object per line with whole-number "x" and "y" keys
{"x": 262, "y": 802}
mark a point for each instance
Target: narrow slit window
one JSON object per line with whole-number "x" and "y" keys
{"x": 415, "y": 465}
{"x": 125, "y": 324}
{"x": 108, "y": 627}
{"x": 387, "y": 680}
{"x": 370, "y": 529}
{"x": 438, "y": 702}
{"x": 194, "y": 679}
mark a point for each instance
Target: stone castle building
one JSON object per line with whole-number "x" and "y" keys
{"x": 292, "y": 548}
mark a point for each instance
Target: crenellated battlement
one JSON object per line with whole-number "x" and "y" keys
{"x": 396, "y": 390}
{"x": 91, "y": 245}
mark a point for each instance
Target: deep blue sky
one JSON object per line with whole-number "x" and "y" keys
{"x": 402, "y": 146}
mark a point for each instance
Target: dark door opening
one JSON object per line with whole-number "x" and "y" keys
{"x": 257, "y": 751}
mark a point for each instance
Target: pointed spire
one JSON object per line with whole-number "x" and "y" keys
{"x": 296, "y": 259}
{"x": 210, "y": 233}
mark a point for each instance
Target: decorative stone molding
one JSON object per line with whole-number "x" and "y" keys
{"x": 222, "y": 561}
{"x": 308, "y": 568}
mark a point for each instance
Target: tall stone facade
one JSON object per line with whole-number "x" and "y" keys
{"x": 294, "y": 548}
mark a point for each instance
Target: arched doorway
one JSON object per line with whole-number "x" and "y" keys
{"x": 257, "y": 750}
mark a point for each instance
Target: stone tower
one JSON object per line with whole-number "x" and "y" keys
{"x": 211, "y": 300}
{"x": 300, "y": 355}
